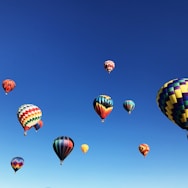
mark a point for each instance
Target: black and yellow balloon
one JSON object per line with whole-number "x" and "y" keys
{"x": 172, "y": 99}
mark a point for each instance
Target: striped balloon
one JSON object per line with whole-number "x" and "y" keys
{"x": 172, "y": 99}
{"x": 63, "y": 146}
{"x": 129, "y": 105}
{"x": 28, "y": 116}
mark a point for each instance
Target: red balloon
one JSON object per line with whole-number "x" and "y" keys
{"x": 8, "y": 85}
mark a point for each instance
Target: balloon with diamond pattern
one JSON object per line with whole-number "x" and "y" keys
{"x": 172, "y": 99}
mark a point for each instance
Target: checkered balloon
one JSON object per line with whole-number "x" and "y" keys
{"x": 172, "y": 99}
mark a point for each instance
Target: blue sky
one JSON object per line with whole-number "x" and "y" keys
{"x": 55, "y": 50}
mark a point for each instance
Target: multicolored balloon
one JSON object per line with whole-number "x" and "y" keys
{"x": 172, "y": 99}
{"x": 63, "y": 146}
{"x": 144, "y": 149}
{"x": 109, "y": 65}
{"x": 28, "y": 116}
{"x": 103, "y": 105}
{"x": 84, "y": 148}
{"x": 129, "y": 105}
{"x": 38, "y": 125}
{"x": 17, "y": 163}
{"x": 8, "y": 85}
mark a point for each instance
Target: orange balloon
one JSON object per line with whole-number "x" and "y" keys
{"x": 8, "y": 85}
{"x": 103, "y": 105}
{"x": 144, "y": 149}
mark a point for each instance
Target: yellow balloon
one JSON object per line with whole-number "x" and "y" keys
{"x": 84, "y": 148}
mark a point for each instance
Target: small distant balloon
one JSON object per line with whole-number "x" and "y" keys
{"x": 109, "y": 65}
{"x": 8, "y": 85}
{"x": 103, "y": 105}
{"x": 129, "y": 105}
{"x": 84, "y": 148}
{"x": 28, "y": 115}
{"x": 63, "y": 146}
{"x": 38, "y": 125}
{"x": 144, "y": 149}
{"x": 17, "y": 163}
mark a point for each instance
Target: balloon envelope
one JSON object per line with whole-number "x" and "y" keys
{"x": 172, "y": 99}
{"x": 38, "y": 125}
{"x": 144, "y": 149}
{"x": 28, "y": 116}
{"x": 103, "y": 105}
{"x": 129, "y": 105}
{"x": 17, "y": 163}
{"x": 109, "y": 65}
{"x": 8, "y": 85}
{"x": 63, "y": 146}
{"x": 84, "y": 148}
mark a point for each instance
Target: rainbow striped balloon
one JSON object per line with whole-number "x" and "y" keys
{"x": 28, "y": 116}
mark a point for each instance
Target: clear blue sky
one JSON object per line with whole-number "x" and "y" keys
{"x": 55, "y": 51}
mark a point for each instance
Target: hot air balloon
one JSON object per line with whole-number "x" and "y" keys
{"x": 129, "y": 105}
{"x": 103, "y": 105}
{"x": 84, "y": 148}
{"x": 17, "y": 163}
{"x": 38, "y": 125}
{"x": 8, "y": 85}
{"x": 144, "y": 149}
{"x": 63, "y": 146}
{"x": 109, "y": 65}
{"x": 28, "y": 116}
{"x": 172, "y": 99}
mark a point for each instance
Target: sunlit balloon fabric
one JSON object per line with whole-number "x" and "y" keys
{"x": 28, "y": 116}
{"x": 172, "y": 99}
{"x": 144, "y": 149}
{"x": 63, "y": 146}
{"x": 17, "y": 163}
{"x": 8, "y": 85}
{"x": 129, "y": 105}
{"x": 109, "y": 65}
{"x": 84, "y": 148}
{"x": 103, "y": 105}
